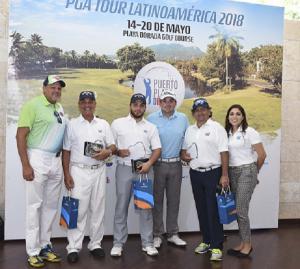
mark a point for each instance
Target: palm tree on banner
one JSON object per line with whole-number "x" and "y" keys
{"x": 226, "y": 45}
{"x": 36, "y": 42}
{"x": 87, "y": 57}
{"x": 17, "y": 41}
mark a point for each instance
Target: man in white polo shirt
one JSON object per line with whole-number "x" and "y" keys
{"x": 87, "y": 143}
{"x": 136, "y": 138}
{"x": 40, "y": 133}
{"x": 206, "y": 149}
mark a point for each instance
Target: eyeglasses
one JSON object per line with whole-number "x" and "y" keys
{"x": 57, "y": 116}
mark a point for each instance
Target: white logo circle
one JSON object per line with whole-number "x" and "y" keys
{"x": 155, "y": 78}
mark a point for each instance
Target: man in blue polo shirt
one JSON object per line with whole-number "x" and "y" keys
{"x": 171, "y": 126}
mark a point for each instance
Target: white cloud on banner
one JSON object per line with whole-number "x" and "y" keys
{"x": 292, "y": 7}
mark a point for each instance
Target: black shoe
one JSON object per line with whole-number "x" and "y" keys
{"x": 73, "y": 257}
{"x": 233, "y": 252}
{"x": 244, "y": 255}
{"x": 98, "y": 252}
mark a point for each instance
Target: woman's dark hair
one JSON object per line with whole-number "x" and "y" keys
{"x": 244, "y": 122}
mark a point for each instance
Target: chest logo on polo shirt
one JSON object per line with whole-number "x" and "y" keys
{"x": 207, "y": 134}
{"x": 145, "y": 131}
{"x": 238, "y": 137}
{"x": 100, "y": 131}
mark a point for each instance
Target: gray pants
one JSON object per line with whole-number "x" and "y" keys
{"x": 124, "y": 178}
{"x": 243, "y": 181}
{"x": 167, "y": 177}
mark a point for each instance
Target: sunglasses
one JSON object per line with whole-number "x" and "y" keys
{"x": 200, "y": 102}
{"x": 57, "y": 116}
{"x": 87, "y": 93}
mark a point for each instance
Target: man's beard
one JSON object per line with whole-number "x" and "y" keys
{"x": 136, "y": 116}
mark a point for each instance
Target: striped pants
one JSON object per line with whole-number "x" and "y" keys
{"x": 243, "y": 180}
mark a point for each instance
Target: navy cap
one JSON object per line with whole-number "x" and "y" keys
{"x": 200, "y": 102}
{"x": 87, "y": 94}
{"x": 138, "y": 97}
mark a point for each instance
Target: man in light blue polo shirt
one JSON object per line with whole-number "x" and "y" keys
{"x": 171, "y": 126}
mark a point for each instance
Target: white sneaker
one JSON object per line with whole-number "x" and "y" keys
{"x": 157, "y": 242}
{"x": 150, "y": 250}
{"x": 174, "y": 239}
{"x": 116, "y": 251}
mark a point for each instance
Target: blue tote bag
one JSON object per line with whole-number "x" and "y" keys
{"x": 69, "y": 212}
{"x": 143, "y": 193}
{"x": 226, "y": 206}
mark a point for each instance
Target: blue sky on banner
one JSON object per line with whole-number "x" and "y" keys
{"x": 70, "y": 28}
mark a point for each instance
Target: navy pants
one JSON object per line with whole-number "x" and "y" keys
{"x": 204, "y": 186}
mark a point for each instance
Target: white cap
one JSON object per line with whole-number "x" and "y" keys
{"x": 167, "y": 93}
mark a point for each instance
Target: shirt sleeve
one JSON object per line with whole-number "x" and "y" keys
{"x": 27, "y": 116}
{"x": 185, "y": 142}
{"x": 67, "y": 137}
{"x": 114, "y": 132}
{"x": 109, "y": 138}
{"x": 186, "y": 122}
{"x": 222, "y": 139}
{"x": 254, "y": 136}
{"x": 154, "y": 139}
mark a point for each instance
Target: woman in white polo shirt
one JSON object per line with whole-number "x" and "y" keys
{"x": 246, "y": 157}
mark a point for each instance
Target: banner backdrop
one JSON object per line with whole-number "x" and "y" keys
{"x": 227, "y": 51}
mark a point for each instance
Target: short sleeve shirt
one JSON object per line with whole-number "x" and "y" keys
{"x": 241, "y": 146}
{"x": 206, "y": 143}
{"x": 80, "y": 131}
{"x": 46, "y": 122}
{"x": 171, "y": 132}
{"x": 141, "y": 138}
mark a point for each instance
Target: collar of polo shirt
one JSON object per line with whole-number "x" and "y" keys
{"x": 132, "y": 118}
{"x": 82, "y": 119}
{"x": 208, "y": 122}
{"x": 47, "y": 103}
{"x": 174, "y": 115}
{"x": 238, "y": 130}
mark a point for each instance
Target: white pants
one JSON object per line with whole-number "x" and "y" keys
{"x": 89, "y": 188}
{"x": 42, "y": 196}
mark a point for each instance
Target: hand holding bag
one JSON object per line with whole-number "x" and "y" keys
{"x": 69, "y": 212}
{"x": 226, "y": 206}
{"x": 143, "y": 193}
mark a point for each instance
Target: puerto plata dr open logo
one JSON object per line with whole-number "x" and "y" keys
{"x": 155, "y": 78}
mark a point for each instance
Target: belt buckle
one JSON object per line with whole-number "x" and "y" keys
{"x": 94, "y": 166}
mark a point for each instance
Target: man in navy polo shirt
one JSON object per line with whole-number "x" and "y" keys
{"x": 171, "y": 126}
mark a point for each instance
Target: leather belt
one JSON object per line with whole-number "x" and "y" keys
{"x": 86, "y": 166}
{"x": 206, "y": 169}
{"x": 169, "y": 160}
